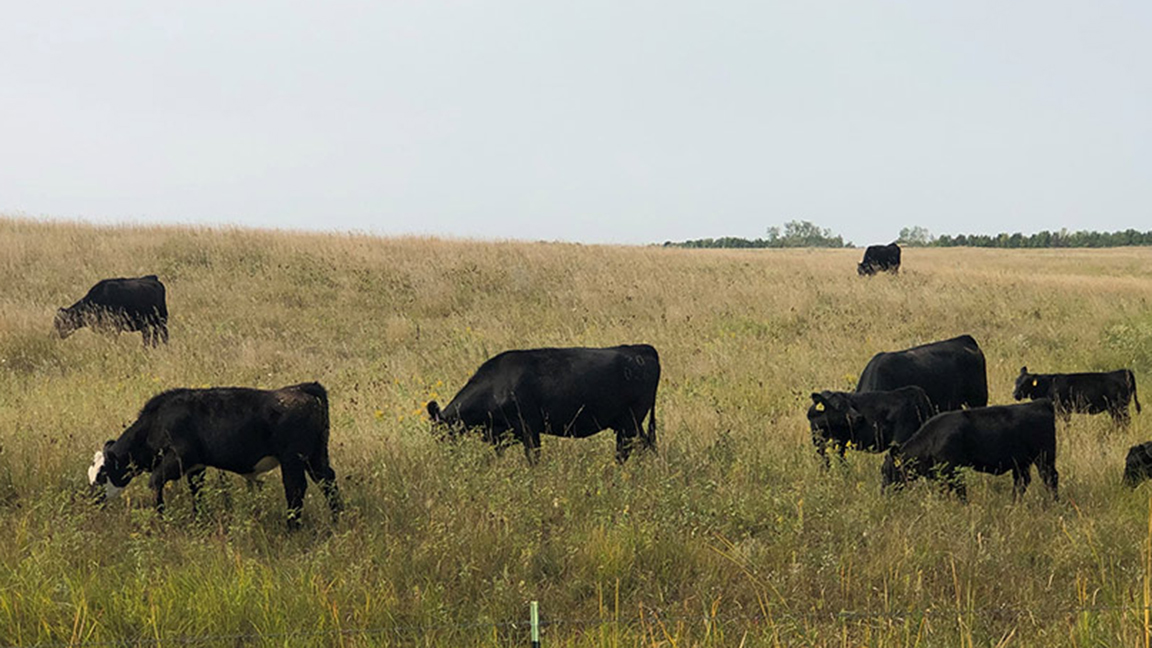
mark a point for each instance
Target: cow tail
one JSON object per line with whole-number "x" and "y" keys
{"x": 1132, "y": 379}
{"x": 650, "y": 439}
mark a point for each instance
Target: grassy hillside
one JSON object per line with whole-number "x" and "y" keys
{"x": 732, "y": 534}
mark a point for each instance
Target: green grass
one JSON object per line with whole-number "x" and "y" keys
{"x": 732, "y": 534}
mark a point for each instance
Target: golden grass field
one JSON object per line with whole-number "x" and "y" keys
{"x": 732, "y": 534}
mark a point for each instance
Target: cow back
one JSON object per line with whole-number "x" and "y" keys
{"x": 989, "y": 439}
{"x": 142, "y": 295}
{"x": 570, "y": 391}
{"x": 951, "y": 372}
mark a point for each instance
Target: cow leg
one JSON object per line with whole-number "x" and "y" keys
{"x": 292, "y": 470}
{"x": 650, "y": 439}
{"x": 1046, "y": 468}
{"x": 1021, "y": 477}
{"x": 630, "y": 433}
{"x": 624, "y": 443}
{"x": 633, "y": 426}
{"x": 195, "y": 482}
{"x": 531, "y": 440}
{"x": 527, "y": 429}
{"x": 168, "y": 470}
{"x": 162, "y": 329}
{"x": 146, "y": 332}
{"x": 321, "y": 473}
{"x": 957, "y": 485}
{"x": 1120, "y": 415}
{"x": 954, "y": 483}
{"x": 822, "y": 449}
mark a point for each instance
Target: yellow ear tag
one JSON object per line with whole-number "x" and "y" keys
{"x": 819, "y": 407}
{"x": 1035, "y": 382}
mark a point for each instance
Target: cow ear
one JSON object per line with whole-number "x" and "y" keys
{"x": 815, "y": 397}
{"x": 108, "y": 444}
{"x": 434, "y": 411}
{"x": 1023, "y": 370}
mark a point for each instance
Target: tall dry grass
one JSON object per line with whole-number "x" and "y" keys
{"x": 732, "y": 534}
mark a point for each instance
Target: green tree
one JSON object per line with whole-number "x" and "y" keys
{"x": 915, "y": 236}
{"x": 802, "y": 233}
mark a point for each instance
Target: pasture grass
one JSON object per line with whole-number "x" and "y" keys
{"x": 732, "y": 534}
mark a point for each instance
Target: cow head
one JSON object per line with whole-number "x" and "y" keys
{"x": 834, "y": 416}
{"x": 440, "y": 427}
{"x": 865, "y": 269}
{"x": 1138, "y": 465}
{"x": 110, "y": 472}
{"x": 1031, "y": 386}
{"x": 66, "y": 322}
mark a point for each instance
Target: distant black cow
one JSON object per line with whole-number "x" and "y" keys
{"x": 987, "y": 439}
{"x": 1089, "y": 393}
{"x": 245, "y": 431}
{"x": 951, "y": 372}
{"x": 869, "y": 421}
{"x": 120, "y": 305}
{"x": 574, "y": 392}
{"x": 1138, "y": 464}
{"x": 880, "y": 258}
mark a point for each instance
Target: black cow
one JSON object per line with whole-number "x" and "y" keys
{"x": 1089, "y": 393}
{"x": 880, "y": 258}
{"x": 136, "y": 304}
{"x": 868, "y": 421}
{"x": 574, "y": 392}
{"x": 987, "y": 439}
{"x": 245, "y": 431}
{"x": 1138, "y": 464}
{"x": 951, "y": 372}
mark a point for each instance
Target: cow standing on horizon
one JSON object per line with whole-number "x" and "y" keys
{"x": 880, "y": 258}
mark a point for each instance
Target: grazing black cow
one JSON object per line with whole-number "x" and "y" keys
{"x": 136, "y": 304}
{"x": 868, "y": 421}
{"x": 880, "y": 258}
{"x": 574, "y": 392}
{"x": 951, "y": 372}
{"x": 246, "y": 431}
{"x": 1088, "y": 393}
{"x": 987, "y": 439}
{"x": 1138, "y": 464}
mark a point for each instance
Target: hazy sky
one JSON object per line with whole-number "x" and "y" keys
{"x": 596, "y": 121}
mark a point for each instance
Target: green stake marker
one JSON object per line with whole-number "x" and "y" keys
{"x": 535, "y": 616}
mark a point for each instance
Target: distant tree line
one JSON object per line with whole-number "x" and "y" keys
{"x": 793, "y": 235}
{"x": 1046, "y": 239}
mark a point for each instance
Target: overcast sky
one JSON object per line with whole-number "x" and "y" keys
{"x": 595, "y": 121}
